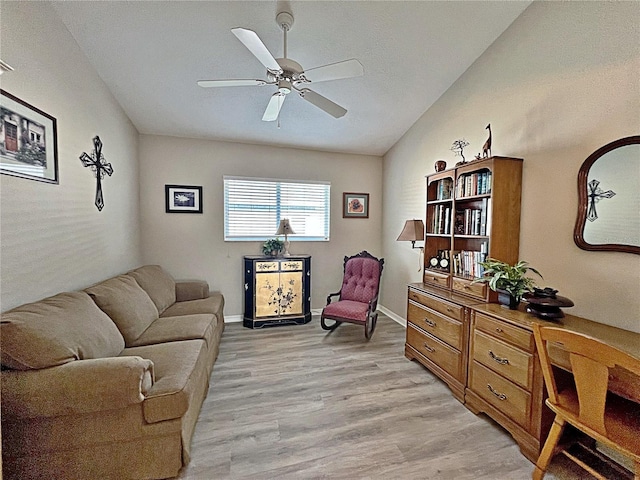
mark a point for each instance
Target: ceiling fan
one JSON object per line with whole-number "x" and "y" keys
{"x": 287, "y": 74}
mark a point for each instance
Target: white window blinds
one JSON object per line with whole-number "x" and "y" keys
{"x": 253, "y": 208}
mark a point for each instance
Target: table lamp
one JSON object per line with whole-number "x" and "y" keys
{"x": 285, "y": 229}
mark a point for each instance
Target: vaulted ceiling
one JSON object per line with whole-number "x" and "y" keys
{"x": 151, "y": 54}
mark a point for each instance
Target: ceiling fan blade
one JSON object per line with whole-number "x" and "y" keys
{"x": 323, "y": 103}
{"x": 251, "y": 40}
{"x": 273, "y": 107}
{"x": 230, "y": 83}
{"x": 335, "y": 71}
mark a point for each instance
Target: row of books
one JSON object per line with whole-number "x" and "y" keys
{"x": 473, "y": 184}
{"x": 474, "y": 221}
{"x": 441, "y": 223}
{"x": 444, "y": 189}
{"x": 466, "y": 263}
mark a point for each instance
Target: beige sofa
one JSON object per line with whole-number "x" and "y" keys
{"x": 107, "y": 382}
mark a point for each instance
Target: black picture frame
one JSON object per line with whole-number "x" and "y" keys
{"x": 355, "y": 205}
{"x": 183, "y": 199}
{"x": 28, "y": 140}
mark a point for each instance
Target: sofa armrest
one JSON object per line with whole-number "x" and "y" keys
{"x": 77, "y": 387}
{"x": 191, "y": 290}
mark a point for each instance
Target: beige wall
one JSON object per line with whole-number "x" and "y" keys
{"x": 559, "y": 83}
{"x": 193, "y": 246}
{"x": 53, "y": 238}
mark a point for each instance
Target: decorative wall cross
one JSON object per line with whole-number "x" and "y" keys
{"x": 595, "y": 195}
{"x": 99, "y": 167}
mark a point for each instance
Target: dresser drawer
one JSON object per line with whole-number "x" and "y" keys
{"x": 502, "y": 394}
{"x": 504, "y": 359}
{"x": 436, "y": 278}
{"x": 438, "y": 352}
{"x": 469, "y": 288}
{"x": 441, "y": 326}
{"x": 514, "y": 335}
{"x": 447, "y": 308}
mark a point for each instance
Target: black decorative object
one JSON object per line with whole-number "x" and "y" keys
{"x": 544, "y": 303}
{"x": 99, "y": 167}
{"x": 595, "y": 195}
{"x": 458, "y": 147}
{"x": 486, "y": 148}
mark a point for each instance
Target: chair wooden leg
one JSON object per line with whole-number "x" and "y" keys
{"x": 549, "y": 448}
{"x": 370, "y": 325}
{"x": 323, "y": 324}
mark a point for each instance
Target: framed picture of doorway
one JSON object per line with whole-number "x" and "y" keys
{"x": 28, "y": 140}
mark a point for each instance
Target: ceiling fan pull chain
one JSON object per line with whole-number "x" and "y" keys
{"x": 284, "y": 27}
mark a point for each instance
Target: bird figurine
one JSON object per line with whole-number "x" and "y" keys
{"x": 486, "y": 148}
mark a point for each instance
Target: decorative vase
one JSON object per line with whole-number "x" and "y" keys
{"x": 440, "y": 165}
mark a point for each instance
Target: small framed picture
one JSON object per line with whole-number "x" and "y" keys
{"x": 355, "y": 205}
{"x": 28, "y": 141}
{"x": 183, "y": 199}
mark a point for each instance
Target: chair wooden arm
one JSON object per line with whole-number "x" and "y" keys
{"x": 332, "y": 295}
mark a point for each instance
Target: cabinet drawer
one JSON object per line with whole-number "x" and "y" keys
{"x": 514, "y": 335}
{"x": 439, "y": 353}
{"x": 465, "y": 286}
{"x": 291, "y": 266}
{"x": 450, "y": 309}
{"x": 267, "y": 266}
{"x": 502, "y": 394}
{"x": 436, "y": 278}
{"x": 504, "y": 359}
{"x": 445, "y": 328}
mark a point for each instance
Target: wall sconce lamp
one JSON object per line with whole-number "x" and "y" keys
{"x": 413, "y": 230}
{"x": 285, "y": 229}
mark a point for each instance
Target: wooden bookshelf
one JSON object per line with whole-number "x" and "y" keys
{"x": 473, "y": 212}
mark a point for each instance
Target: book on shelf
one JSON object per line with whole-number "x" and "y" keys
{"x": 444, "y": 189}
{"x": 472, "y": 184}
{"x": 466, "y": 263}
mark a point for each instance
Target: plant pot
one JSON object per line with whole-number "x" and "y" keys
{"x": 506, "y": 299}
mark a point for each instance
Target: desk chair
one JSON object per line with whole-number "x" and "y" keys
{"x": 358, "y": 296}
{"x": 604, "y": 417}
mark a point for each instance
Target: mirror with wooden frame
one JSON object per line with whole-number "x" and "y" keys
{"x": 609, "y": 198}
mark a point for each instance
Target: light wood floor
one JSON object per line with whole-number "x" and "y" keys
{"x": 296, "y": 402}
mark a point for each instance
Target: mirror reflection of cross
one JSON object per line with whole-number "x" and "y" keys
{"x": 595, "y": 195}
{"x": 99, "y": 167}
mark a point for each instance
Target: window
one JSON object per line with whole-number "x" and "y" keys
{"x": 253, "y": 208}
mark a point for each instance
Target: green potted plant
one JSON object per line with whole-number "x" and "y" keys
{"x": 272, "y": 247}
{"x": 510, "y": 281}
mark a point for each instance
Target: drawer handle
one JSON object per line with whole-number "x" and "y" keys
{"x": 501, "y": 361}
{"x": 501, "y": 396}
{"x": 429, "y": 349}
{"x": 430, "y": 323}
{"x": 449, "y": 309}
{"x": 467, "y": 287}
{"x": 499, "y": 330}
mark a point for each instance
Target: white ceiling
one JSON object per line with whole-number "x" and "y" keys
{"x": 150, "y": 54}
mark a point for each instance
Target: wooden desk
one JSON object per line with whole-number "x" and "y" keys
{"x": 512, "y": 337}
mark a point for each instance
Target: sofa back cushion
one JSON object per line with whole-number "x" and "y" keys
{"x": 158, "y": 284}
{"x": 126, "y": 303}
{"x": 57, "y": 330}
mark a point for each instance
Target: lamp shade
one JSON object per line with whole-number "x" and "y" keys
{"x": 413, "y": 230}
{"x": 285, "y": 228}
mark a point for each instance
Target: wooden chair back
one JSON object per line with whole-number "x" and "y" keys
{"x": 590, "y": 363}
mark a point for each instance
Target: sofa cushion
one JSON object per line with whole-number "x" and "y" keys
{"x": 184, "y": 327}
{"x": 59, "y": 329}
{"x": 126, "y": 303}
{"x": 212, "y": 304}
{"x": 158, "y": 284}
{"x": 178, "y": 367}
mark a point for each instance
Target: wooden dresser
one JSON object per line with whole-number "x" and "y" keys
{"x": 486, "y": 354}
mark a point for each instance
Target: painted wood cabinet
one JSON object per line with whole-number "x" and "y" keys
{"x": 277, "y": 291}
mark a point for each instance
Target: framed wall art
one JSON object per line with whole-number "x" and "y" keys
{"x": 28, "y": 141}
{"x": 183, "y": 199}
{"x": 355, "y": 205}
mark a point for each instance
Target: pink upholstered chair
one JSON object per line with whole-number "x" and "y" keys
{"x": 358, "y": 297}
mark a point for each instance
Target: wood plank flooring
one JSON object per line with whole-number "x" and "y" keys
{"x": 296, "y": 402}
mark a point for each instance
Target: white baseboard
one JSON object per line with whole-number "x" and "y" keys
{"x": 318, "y": 311}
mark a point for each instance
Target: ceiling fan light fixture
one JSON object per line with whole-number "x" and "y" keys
{"x": 284, "y": 87}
